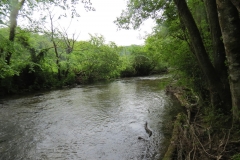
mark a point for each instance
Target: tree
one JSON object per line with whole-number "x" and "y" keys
{"x": 236, "y": 3}
{"x": 215, "y": 71}
{"x": 15, "y": 7}
{"x": 94, "y": 60}
{"x": 219, "y": 55}
{"x": 219, "y": 95}
{"x": 230, "y": 24}
{"x": 10, "y": 11}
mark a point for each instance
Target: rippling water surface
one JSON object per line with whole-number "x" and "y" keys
{"x": 101, "y": 121}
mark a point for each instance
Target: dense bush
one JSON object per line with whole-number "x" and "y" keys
{"x": 36, "y": 63}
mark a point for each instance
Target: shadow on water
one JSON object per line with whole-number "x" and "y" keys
{"x": 100, "y": 121}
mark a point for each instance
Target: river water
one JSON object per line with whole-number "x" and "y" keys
{"x": 90, "y": 122}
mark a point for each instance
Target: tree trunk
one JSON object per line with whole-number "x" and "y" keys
{"x": 230, "y": 26}
{"x": 55, "y": 46}
{"x": 219, "y": 96}
{"x": 219, "y": 56}
{"x": 236, "y": 3}
{"x": 16, "y": 6}
{"x": 57, "y": 61}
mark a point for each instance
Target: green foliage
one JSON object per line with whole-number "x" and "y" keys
{"x": 96, "y": 61}
{"x": 7, "y": 46}
{"x": 141, "y": 61}
{"x": 236, "y": 157}
{"x": 142, "y": 64}
{"x": 169, "y": 43}
{"x": 40, "y": 6}
{"x": 139, "y": 10}
{"x": 34, "y": 59}
{"x": 216, "y": 118}
{"x": 6, "y": 70}
{"x": 70, "y": 79}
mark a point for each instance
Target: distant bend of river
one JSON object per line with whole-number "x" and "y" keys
{"x": 88, "y": 122}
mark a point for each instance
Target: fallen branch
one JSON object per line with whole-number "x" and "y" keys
{"x": 172, "y": 146}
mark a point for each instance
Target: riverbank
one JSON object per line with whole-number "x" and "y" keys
{"x": 16, "y": 89}
{"x": 201, "y": 132}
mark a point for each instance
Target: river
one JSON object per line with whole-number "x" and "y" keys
{"x": 88, "y": 122}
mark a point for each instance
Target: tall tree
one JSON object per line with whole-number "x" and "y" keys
{"x": 15, "y": 7}
{"x": 230, "y": 24}
{"x": 219, "y": 56}
{"x": 11, "y": 10}
{"x": 219, "y": 96}
{"x": 216, "y": 72}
